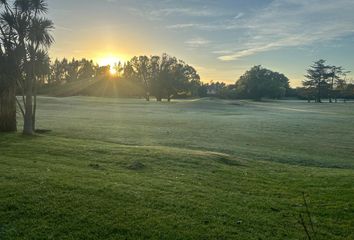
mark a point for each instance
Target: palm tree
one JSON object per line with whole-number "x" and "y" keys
{"x": 38, "y": 39}
{"x": 41, "y": 63}
{"x": 30, "y": 33}
{"x": 8, "y": 70}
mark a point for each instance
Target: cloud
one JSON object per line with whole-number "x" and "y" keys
{"x": 290, "y": 23}
{"x": 183, "y": 26}
{"x": 203, "y": 12}
{"x": 238, "y": 16}
{"x": 245, "y": 31}
{"x": 165, "y": 9}
{"x": 197, "y": 42}
{"x": 280, "y": 24}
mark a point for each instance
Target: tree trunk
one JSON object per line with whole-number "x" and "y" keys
{"x": 319, "y": 94}
{"x": 28, "y": 118}
{"x": 34, "y": 107}
{"x": 34, "y": 113}
{"x": 8, "y": 110}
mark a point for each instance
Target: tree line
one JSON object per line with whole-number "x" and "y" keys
{"x": 165, "y": 77}
{"x": 322, "y": 81}
{"x": 161, "y": 77}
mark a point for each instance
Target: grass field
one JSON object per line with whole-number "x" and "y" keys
{"x": 198, "y": 169}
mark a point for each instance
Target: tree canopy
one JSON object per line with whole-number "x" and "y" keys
{"x": 324, "y": 80}
{"x": 259, "y": 82}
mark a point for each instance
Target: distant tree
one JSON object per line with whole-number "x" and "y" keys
{"x": 129, "y": 73}
{"x": 260, "y": 82}
{"x": 103, "y": 72}
{"x": 140, "y": 66}
{"x": 170, "y": 77}
{"x": 57, "y": 73}
{"x": 193, "y": 80}
{"x": 180, "y": 79}
{"x": 162, "y": 77}
{"x": 215, "y": 89}
{"x": 155, "y": 80}
{"x": 119, "y": 69}
{"x": 87, "y": 69}
{"x": 336, "y": 80}
{"x": 347, "y": 91}
{"x": 64, "y": 66}
{"x": 173, "y": 78}
{"x": 65, "y": 71}
{"x": 73, "y": 70}
{"x": 317, "y": 78}
{"x": 305, "y": 93}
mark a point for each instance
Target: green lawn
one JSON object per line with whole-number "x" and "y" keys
{"x": 202, "y": 169}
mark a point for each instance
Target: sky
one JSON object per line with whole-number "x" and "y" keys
{"x": 220, "y": 38}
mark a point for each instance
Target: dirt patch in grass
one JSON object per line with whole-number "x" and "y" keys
{"x": 228, "y": 161}
{"x": 136, "y": 166}
{"x": 95, "y": 166}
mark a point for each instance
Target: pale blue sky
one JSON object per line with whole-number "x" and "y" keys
{"x": 221, "y": 38}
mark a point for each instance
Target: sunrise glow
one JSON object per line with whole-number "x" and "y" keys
{"x": 109, "y": 60}
{"x": 112, "y": 70}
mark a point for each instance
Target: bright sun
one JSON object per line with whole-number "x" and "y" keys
{"x": 111, "y": 61}
{"x": 112, "y": 70}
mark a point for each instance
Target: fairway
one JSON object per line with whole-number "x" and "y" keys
{"x": 189, "y": 169}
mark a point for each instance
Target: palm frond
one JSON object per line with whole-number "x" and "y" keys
{"x": 39, "y": 5}
{"x": 23, "y": 5}
{"x": 39, "y": 32}
{"x": 3, "y": 2}
{"x": 8, "y": 19}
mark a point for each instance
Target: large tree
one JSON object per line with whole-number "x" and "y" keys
{"x": 29, "y": 30}
{"x": 317, "y": 78}
{"x": 259, "y": 82}
{"x": 162, "y": 77}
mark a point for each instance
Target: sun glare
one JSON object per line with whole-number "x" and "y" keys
{"x": 112, "y": 70}
{"x": 111, "y": 61}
